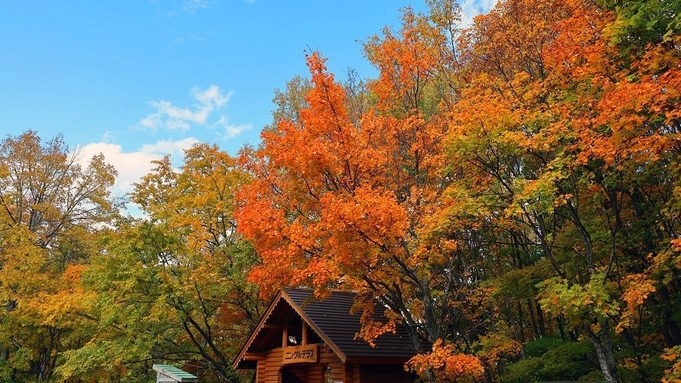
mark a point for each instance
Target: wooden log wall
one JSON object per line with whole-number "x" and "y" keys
{"x": 269, "y": 370}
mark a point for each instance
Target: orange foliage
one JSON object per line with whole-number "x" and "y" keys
{"x": 331, "y": 201}
{"x": 673, "y": 374}
{"x": 619, "y": 114}
{"x": 429, "y": 194}
{"x": 447, "y": 365}
{"x": 405, "y": 62}
{"x": 339, "y": 202}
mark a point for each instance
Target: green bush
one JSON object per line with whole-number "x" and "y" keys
{"x": 551, "y": 358}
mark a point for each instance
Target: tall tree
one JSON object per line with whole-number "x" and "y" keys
{"x": 50, "y": 210}
{"x": 567, "y": 147}
{"x": 337, "y": 202}
{"x": 171, "y": 287}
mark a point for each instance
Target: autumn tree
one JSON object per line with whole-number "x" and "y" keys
{"x": 565, "y": 149}
{"x": 171, "y": 286}
{"x": 337, "y": 202}
{"x": 508, "y": 192}
{"x": 641, "y": 23}
{"x": 291, "y": 100}
{"x": 51, "y": 209}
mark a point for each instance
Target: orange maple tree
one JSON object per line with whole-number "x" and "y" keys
{"x": 341, "y": 203}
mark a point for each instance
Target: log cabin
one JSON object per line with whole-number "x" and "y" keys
{"x": 301, "y": 339}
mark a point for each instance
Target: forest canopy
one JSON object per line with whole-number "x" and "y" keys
{"x": 508, "y": 190}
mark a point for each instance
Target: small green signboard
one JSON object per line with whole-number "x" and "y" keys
{"x": 166, "y": 373}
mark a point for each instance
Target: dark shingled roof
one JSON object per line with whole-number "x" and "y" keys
{"x": 332, "y": 317}
{"x": 331, "y": 320}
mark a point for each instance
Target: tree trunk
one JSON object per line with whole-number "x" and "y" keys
{"x": 521, "y": 325}
{"x": 560, "y": 327}
{"x": 533, "y": 319}
{"x": 540, "y": 318}
{"x": 670, "y": 329}
{"x": 603, "y": 347}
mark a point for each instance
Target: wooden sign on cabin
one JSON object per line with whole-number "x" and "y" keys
{"x": 301, "y": 354}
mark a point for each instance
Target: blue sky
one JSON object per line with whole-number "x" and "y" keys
{"x": 138, "y": 79}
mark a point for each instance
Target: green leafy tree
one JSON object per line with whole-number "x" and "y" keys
{"x": 567, "y": 153}
{"x": 171, "y": 287}
{"x": 51, "y": 210}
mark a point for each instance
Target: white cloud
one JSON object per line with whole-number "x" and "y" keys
{"x": 132, "y": 166}
{"x": 212, "y": 95}
{"x": 170, "y": 117}
{"x": 472, "y": 8}
{"x": 205, "y": 113}
{"x": 488, "y": 4}
{"x": 229, "y": 130}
